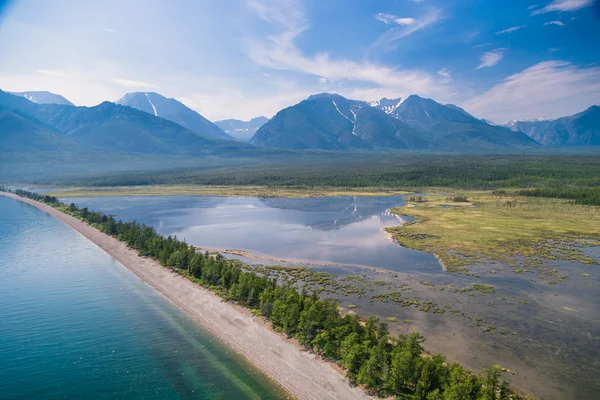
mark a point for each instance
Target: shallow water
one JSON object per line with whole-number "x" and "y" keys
{"x": 346, "y": 230}
{"x": 74, "y": 323}
{"x": 549, "y": 334}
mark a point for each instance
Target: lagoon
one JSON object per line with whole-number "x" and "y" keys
{"x": 341, "y": 230}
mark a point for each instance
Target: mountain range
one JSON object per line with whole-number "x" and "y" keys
{"x": 241, "y": 130}
{"x": 173, "y": 110}
{"x": 332, "y": 122}
{"x": 581, "y": 129}
{"x": 30, "y": 127}
{"x": 149, "y": 123}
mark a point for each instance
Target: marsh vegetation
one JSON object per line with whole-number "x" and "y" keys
{"x": 523, "y": 232}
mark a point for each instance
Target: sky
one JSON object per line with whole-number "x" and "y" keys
{"x": 500, "y": 60}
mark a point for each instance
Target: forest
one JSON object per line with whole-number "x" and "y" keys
{"x": 382, "y": 364}
{"x": 385, "y": 171}
{"x": 583, "y": 196}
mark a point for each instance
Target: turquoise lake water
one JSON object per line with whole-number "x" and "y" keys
{"x": 74, "y": 323}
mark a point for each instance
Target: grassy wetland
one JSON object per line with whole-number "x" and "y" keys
{"x": 496, "y": 225}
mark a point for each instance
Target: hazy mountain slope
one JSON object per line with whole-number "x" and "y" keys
{"x": 469, "y": 137}
{"x": 452, "y": 128}
{"x": 22, "y": 133}
{"x": 582, "y": 129}
{"x": 424, "y": 113}
{"x": 241, "y": 130}
{"x": 332, "y": 122}
{"x": 379, "y": 129}
{"x": 43, "y": 97}
{"x": 171, "y": 109}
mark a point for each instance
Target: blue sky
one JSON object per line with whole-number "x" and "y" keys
{"x": 501, "y": 60}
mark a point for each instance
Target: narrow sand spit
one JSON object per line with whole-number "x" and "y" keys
{"x": 299, "y": 372}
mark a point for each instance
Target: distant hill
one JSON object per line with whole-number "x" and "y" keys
{"x": 241, "y": 130}
{"x": 116, "y": 128}
{"x": 171, "y": 109}
{"x": 41, "y": 97}
{"x": 332, "y": 122}
{"x": 582, "y": 129}
{"x": 21, "y": 133}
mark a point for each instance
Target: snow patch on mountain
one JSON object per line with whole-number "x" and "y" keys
{"x": 341, "y": 113}
{"x": 150, "y": 101}
{"x": 387, "y": 105}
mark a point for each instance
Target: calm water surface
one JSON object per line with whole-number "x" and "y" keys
{"x": 74, "y": 323}
{"x": 345, "y": 230}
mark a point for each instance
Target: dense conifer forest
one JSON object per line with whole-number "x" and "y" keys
{"x": 382, "y": 364}
{"x": 406, "y": 171}
{"x": 584, "y": 196}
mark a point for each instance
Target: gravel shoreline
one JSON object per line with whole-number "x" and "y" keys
{"x": 301, "y": 373}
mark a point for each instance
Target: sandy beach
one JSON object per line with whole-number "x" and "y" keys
{"x": 301, "y": 373}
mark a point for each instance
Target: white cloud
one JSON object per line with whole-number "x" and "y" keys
{"x": 445, "y": 72}
{"x": 51, "y": 72}
{"x": 491, "y": 58}
{"x": 392, "y": 19}
{"x": 563, "y": 5}
{"x": 558, "y": 23}
{"x": 407, "y": 26}
{"x": 109, "y": 30}
{"x": 279, "y": 52}
{"x": 550, "y": 89}
{"x": 511, "y": 29}
{"x": 132, "y": 83}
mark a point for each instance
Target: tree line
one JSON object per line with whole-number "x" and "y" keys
{"x": 382, "y": 364}
{"x": 472, "y": 171}
{"x": 585, "y": 196}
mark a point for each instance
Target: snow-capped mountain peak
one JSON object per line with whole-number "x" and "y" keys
{"x": 387, "y": 105}
{"x": 43, "y": 97}
{"x": 173, "y": 110}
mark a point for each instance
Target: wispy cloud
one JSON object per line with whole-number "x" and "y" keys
{"x": 51, "y": 72}
{"x": 406, "y": 26}
{"x": 280, "y": 52}
{"x": 510, "y": 30}
{"x": 549, "y": 89}
{"x": 109, "y": 30}
{"x": 563, "y": 5}
{"x": 445, "y": 73}
{"x": 558, "y": 23}
{"x": 392, "y": 19}
{"x": 132, "y": 83}
{"x": 491, "y": 58}
{"x": 477, "y": 46}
